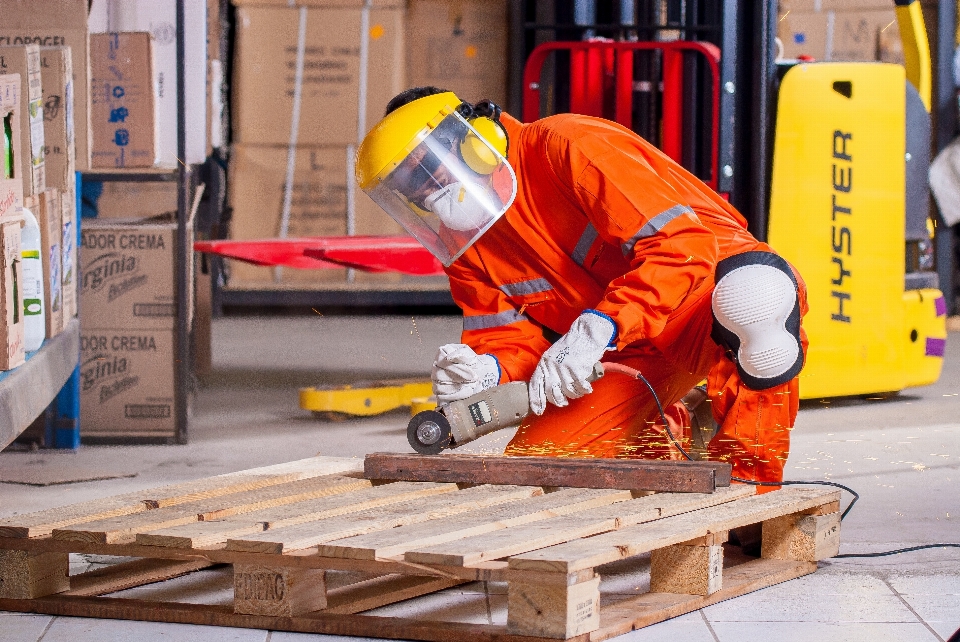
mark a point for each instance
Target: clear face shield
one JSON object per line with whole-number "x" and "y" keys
{"x": 447, "y": 188}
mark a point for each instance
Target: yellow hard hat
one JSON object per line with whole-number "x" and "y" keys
{"x": 401, "y": 130}
{"x": 386, "y": 143}
{"x": 438, "y": 167}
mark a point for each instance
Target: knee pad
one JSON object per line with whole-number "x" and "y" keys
{"x": 756, "y": 317}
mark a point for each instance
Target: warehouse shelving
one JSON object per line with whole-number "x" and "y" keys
{"x": 28, "y": 389}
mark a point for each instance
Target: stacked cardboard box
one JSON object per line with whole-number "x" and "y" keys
{"x": 11, "y": 213}
{"x": 123, "y": 107}
{"x": 297, "y": 127}
{"x": 56, "y": 23}
{"x": 127, "y": 316}
{"x": 61, "y": 162}
{"x": 24, "y": 60}
{"x": 159, "y": 18}
{"x": 840, "y": 30}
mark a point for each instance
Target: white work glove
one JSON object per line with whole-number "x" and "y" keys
{"x": 459, "y": 372}
{"x": 563, "y": 370}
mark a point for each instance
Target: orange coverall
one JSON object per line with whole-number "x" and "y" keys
{"x": 604, "y": 220}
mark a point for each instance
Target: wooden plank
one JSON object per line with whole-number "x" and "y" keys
{"x": 331, "y": 624}
{"x": 206, "y": 534}
{"x": 650, "y": 608}
{"x": 634, "y": 474}
{"x": 42, "y": 523}
{"x": 642, "y": 538}
{"x": 25, "y": 575}
{"x": 380, "y": 591}
{"x": 397, "y": 541}
{"x": 496, "y": 571}
{"x": 118, "y": 577}
{"x": 549, "y": 532}
{"x": 314, "y": 533}
{"x": 124, "y": 528}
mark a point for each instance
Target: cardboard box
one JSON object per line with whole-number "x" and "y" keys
{"x": 804, "y": 34}
{"x": 856, "y": 34}
{"x": 319, "y": 204}
{"x": 136, "y": 200}
{"x": 69, "y": 266}
{"x": 11, "y": 297}
{"x": 60, "y": 155}
{"x": 56, "y": 23}
{"x": 122, "y": 103}
{"x": 126, "y": 383}
{"x": 11, "y": 189}
{"x": 850, "y": 34}
{"x": 47, "y": 209}
{"x": 336, "y": 107}
{"x": 127, "y": 275}
{"x": 25, "y": 61}
{"x": 460, "y": 46}
{"x": 159, "y": 17}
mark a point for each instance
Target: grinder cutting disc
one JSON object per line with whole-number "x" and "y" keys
{"x": 429, "y": 432}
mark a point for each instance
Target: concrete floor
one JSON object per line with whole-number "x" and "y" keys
{"x": 902, "y": 454}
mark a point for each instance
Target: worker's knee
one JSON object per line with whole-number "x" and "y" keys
{"x": 756, "y": 313}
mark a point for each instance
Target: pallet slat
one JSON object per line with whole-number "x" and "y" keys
{"x": 124, "y": 528}
{"x": 642, "y": 538}
{"x": 207, "y": 534}
{"x": 634, "y": 474}
{"x": 396, "y": 541}
{"x": 524, "y": 538}
{"x": 309, "y": 535}
{"x": 42, "y": 523}
{"x": 124, "y": 575}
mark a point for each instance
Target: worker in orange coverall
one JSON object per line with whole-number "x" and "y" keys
{"x": 571, "y": 240}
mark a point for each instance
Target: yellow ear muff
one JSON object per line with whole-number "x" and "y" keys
{"x": 476, "y": 153}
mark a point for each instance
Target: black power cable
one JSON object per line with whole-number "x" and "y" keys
{"x": 856, "y": 496}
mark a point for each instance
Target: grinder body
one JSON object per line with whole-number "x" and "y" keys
{"x": 459, "y": 422}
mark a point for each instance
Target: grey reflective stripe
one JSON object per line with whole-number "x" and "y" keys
{"x": 656, "y": 224}
{"x": 526, "y": 287}
{"x": 485, "y": 321}
{"x": 584, "y": 244}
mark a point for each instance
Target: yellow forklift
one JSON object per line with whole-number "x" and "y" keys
{"x": 828, "y": 161}
{"x": 848, "y": 198}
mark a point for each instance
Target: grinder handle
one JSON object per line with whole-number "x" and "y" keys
{"x": 597, "y": 372}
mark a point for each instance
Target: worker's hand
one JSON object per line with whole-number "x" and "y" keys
{"x": 564, "y": 369}
{"x": 459, "y": 372}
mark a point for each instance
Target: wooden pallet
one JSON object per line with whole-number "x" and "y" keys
{"x": 282, "y": 528}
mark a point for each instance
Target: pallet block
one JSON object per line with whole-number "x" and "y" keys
{"x": 401, "y": 540}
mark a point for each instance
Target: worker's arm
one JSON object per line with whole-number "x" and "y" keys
{"x": 491, "y": 325}
{"x": 618, "y": 182}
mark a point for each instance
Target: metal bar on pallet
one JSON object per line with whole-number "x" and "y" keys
{"x": 184, "y": 252}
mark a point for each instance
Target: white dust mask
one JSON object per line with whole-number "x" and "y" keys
{"x": 457, "y": 208}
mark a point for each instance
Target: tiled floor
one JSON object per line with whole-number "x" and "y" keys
{"x": 902, "y": 455}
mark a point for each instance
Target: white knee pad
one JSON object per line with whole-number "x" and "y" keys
{"x": 757, "y": 318}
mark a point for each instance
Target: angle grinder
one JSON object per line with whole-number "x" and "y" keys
{"x": 459, "y": 422}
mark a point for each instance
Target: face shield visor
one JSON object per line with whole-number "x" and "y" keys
{"x": 447, "y": 187}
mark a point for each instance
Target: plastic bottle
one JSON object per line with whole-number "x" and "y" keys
{"x": 34, "y": 315}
